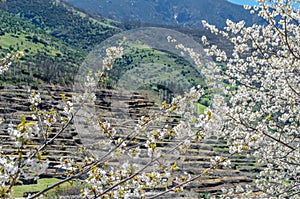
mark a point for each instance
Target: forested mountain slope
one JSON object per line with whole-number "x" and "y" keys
{"x": 47, "y": 59}
{"x": 54, "y": 36}
{"x": 186, "y": 13}
{"x": 64, "y": 22}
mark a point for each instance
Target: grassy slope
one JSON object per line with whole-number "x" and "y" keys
{"x": 62, "y": 190}
{"x": 148, "y": 68}
{"x": 41, "y": 184}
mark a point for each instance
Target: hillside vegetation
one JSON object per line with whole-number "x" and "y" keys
{"x": 63, "y": 22}
{"x": 151, "y": 68}
{"x": 46, "y": 59}
{"x": 54, "y": 36}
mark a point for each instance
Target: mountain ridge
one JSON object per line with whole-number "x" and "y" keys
{"x": 185, "y": 13}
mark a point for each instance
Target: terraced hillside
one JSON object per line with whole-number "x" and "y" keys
{"x": 14, "y": 104}
{"x": 111, "y": 105}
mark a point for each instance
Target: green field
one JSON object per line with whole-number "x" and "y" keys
{"x": 67, "y": 188}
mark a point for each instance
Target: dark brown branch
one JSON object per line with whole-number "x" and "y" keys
{"x": 287, "y": 40}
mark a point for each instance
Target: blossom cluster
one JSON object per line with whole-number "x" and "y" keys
{"x": 112, "y": 53}
{"x": 6, "y": 62}
{"x": 262, "y": 114}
